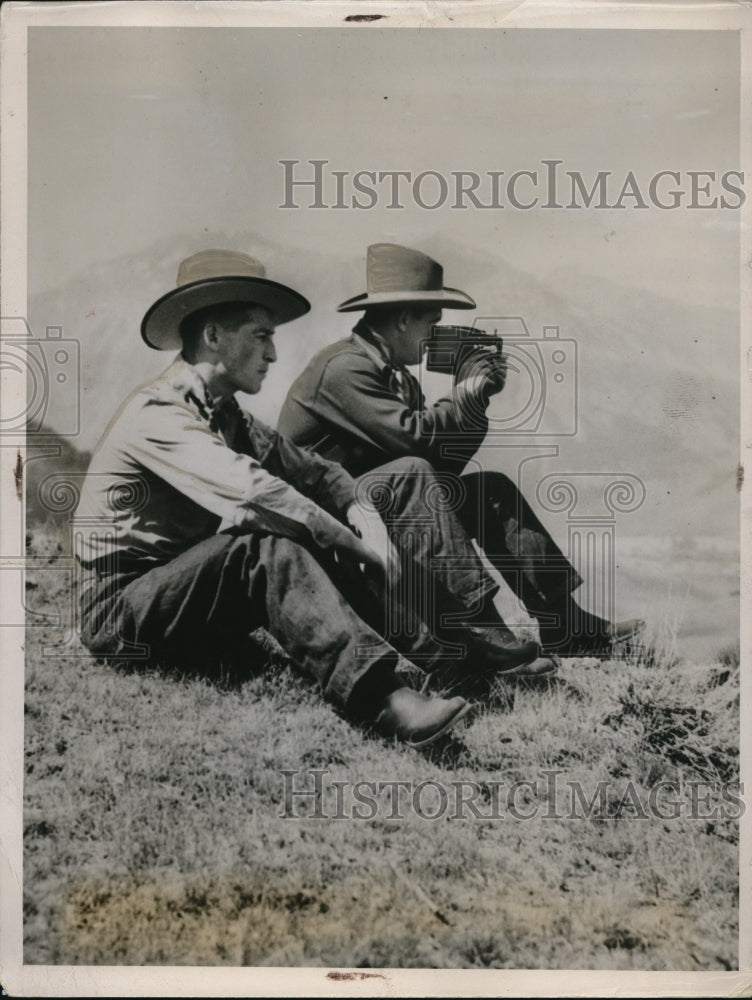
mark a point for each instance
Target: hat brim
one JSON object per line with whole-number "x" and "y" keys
{"x": 447, "y": 298}
{"x": 160, "y": 327}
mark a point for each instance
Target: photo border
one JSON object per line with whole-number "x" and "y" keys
{"x": 21, "y": 980}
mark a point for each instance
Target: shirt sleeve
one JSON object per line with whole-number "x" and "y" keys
{"x": 355, "y": 395}
{"x": 173, "y": 443}
{"x": 326, "y": 483}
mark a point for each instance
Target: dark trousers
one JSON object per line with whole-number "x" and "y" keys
{"x": 495, "y": 513}
{"x": 340, "y": 629}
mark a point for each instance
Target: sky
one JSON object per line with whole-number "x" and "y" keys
{"x": 138, "y": 133}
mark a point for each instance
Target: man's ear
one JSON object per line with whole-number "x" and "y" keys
{"x": 209, "y": 335}
{"x": 402, "y": 318}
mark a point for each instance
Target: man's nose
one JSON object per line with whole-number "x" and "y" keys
{"x": 271, "y": 352}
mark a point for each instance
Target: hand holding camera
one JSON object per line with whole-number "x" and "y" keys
{"x": 541, "y": 397}
{"x": 471, "y": 355}
{"x": 487, "y": 371}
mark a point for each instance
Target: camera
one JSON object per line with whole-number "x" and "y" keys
{"x": 41, "y": 381}
{"x": 450, "y": 348}
{"x": 540, "y": 396}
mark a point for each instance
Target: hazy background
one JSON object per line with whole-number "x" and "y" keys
{"x": 148, "y": 144}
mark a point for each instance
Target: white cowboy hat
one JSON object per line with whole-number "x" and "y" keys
{"x": 396, "y": 274}
{"x": 212, "y": 277}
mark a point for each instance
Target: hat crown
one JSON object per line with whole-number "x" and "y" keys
{"x": 208, "y": 264}
{"x": 392, "y": 268}
{"x": 213, "y": 277}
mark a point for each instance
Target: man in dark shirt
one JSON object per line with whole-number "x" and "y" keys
{"x": 198, "y": 525}
{"x": 356, "y": 403}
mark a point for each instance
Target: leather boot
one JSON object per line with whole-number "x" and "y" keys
{"x": 568, "y": 630}
{"x": 473, "y": 675}
{"x": 416, "y": 718}
{"x": 488, "y": 628}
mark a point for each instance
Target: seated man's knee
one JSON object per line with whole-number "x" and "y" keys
{"x": 390, "y": 486}
{"x": 277, "y": 554}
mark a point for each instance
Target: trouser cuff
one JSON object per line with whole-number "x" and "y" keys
{"x": 372, "y": 688}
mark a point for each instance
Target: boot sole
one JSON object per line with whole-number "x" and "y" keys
{"x": 517, "y": 660}
{"x": 628, "y": 637}
{"x": 599, "y": 652}
{"x": 520, "y": 672}
{"x": 460, "y": 714}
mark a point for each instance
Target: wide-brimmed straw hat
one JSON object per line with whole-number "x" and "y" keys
{"x": 396, "y": 274}
{"x": 213, "y": 277}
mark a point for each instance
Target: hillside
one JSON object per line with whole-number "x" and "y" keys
{"x": 53, "y": 473}
{"x": 159, "y": 827}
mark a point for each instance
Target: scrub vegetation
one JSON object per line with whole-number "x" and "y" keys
{"x": 155, "y": 826}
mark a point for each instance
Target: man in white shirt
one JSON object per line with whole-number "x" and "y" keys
{"x": 198, "y": 524}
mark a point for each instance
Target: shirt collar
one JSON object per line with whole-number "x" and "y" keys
{"x": 185, "y": 378}
{"x": 374, "y": 345}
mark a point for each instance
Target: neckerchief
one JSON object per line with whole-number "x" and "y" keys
{"x": 401, "y": 381}
{"x": 226, "y": 417}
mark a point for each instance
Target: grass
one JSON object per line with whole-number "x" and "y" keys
{"x": 154, "y": 835}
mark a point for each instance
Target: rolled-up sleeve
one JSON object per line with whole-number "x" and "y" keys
{"x": 173, "y": 443}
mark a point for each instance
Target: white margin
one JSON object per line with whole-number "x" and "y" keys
{"x": 20, "y": 980}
